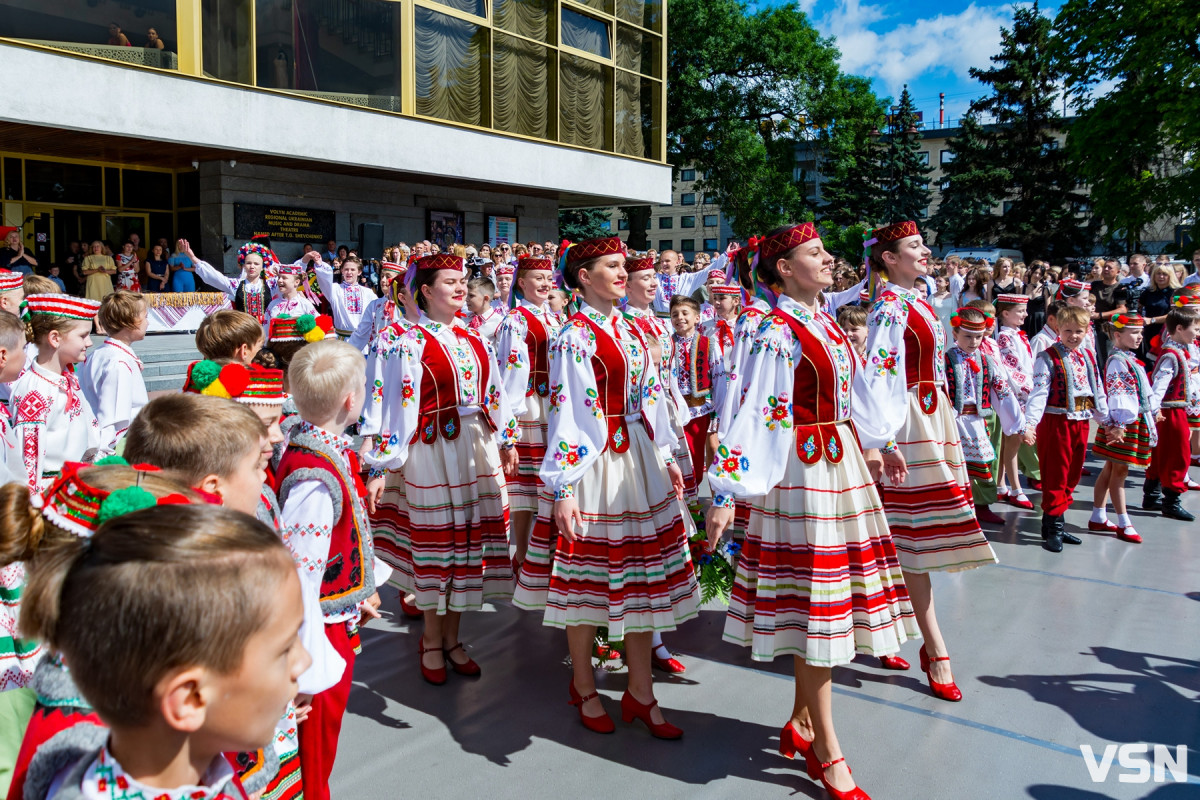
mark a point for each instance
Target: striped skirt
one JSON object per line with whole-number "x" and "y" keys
{"x": 523, "y": 487}
{"x": 818, "y": 576}
{"x": 931, "y": 515}
{"x": 629, "y": 569}
{"x": 442, "y": 523}
{"x": 1193, "y": 418}
{"x": 1134, "y": 449}
{"x": 683, "y": 457}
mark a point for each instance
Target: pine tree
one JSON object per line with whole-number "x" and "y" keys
{"x": 853, "y": 194}
{"x": 1041, "y": 213}
{"x": 577, "y": 224}
{"x": 905, "y": 173}
{"x": 974, "y": 186}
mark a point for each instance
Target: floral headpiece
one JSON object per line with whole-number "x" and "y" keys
{"x": 1185, "y": 300}
{"x": 304, "y": 328}
{"x": 255, "y": 246}
{"x": 1122, "y": 321}
{"x": 965, "y": 323}
{"x": 76, "y": 506}
{"x": 253, "y": 386}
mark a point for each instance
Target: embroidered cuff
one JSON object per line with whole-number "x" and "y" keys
{"x": 565, "y": 492}
{"x": 889, "y": 448}
{"x": 376, "y": 472}
{"x": 722, "y": 501}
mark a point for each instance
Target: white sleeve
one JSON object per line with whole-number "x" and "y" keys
{"x": 1164, "y": 370}
{"x": 382, "y": 348}
{"x": 1035, "y": 406}
{"x": 364, "y": 333}
{"x": 879, "y": 404}
{"x": 1006, "y": 403}
{"x": 401, "y": 403}
{"x": 689, "y": 282}
{"x": 512, "y": 355}
{"x": 1100, "y": 412}
{"x": 113, "y": 385}
{"x": 216, "y": 279}
{"x": 496, "y": 399}
{"x": 1120, "y": 384}
{"x": 576, "y": 430}
{"x": 325, "y": 279}
{"x": 832, "y": 302}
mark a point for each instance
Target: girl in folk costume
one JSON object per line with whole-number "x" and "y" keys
{"x": 1017, "y": 357}
{"x": 289, "y": 300}
{"x": 251, "y": 293}
{"x": 348, "y": 299}
{"x": 52, "y": 417}
{"x": 1130, "y": 405}
{"x": 1175, "y": 390}
{"x": 128, "y": 267}
{"x": 708, "y": 312}
{"x": 1048, "y": 335}
{"x": 1189, "y": 298}
{"x": 900, "y": 407}
{"x": 981, "y": 395}
{"x": 818, "y": 577}
{"x": 437, "y": 489}
{"x": 727, "y": 303}
{"x": 697, "y": 359}
{"x": 383, "y": 310}
{"x": 111, "y": 378}
{"x": 612, "y": 551}
{"x": 522, "y": 347}
{"x": 503, "y": 279}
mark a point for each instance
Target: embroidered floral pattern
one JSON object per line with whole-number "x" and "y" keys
{"x": 407, "y": 392}
{"x": 809, "y": 446}
{"x": 514, "y": 360}
{"x": 593, "y": 402}
{"x": 568, "y": 455}
{"x": 730, "y": 463}
{"x": 777, "y": 413}
{"x": 884, "y": 361}
{"x": 557, "y": 398}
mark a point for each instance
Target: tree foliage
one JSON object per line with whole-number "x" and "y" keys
{"x": 577, "y": 224}
{"x": 854, "y": 164}
{"x": 904, "y": 170}
{"x": 1135, "y": 144}
{"x": 974, "y": 186}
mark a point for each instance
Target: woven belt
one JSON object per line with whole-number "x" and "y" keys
{"x": 695, "y": 402}
{"x": 1085, "y": 403}
{"x": 970, "y": 408}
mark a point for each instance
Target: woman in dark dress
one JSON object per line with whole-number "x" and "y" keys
{"x": 1155, "y": 302}
{"x": 1040, "y": 292}
{"x": 157, "y": 271}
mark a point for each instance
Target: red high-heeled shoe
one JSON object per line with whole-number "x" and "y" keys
{"x": 945, "y": 691}
{"x": 791, "y": 742}
{"x": 631, "y": 709}
{"x": 470, "y": 669}
{"x": 854, "y": 794}
{"x": 435, "y": 676}
{"x": 601, "y": 724}
{"x": 669, "y": 664}
{"x": 410, "y": 609}
{"x": 893, "y": 662}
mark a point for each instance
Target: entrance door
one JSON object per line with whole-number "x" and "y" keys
{"x": 51, "y": 232}
{"x": 118, "y": 227}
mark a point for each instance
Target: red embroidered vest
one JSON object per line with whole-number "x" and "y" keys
{"x": 815, "y": 388}
{"x": 536, "y": 339}
{"x": 1176, "y": 395}
{"x": 920, "y": 348}
{"x": 699, "y": 367}
{"x": 612, "y": 379}
{"x": 956, "y": 365}
{"x": 1061, "y": 394}
{"x": 439, "y": 388}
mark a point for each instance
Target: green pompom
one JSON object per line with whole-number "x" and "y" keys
{"x": 125, "y": 501}
{"x": 305, "y": 323}
{"x": 204, "y": 372}
{"x": 109, "y": 461}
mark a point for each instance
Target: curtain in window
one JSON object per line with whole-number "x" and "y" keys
{"x": 450, "y": 62}
{"x": 646, "y": 13}
{"x": 527, "y": 17}
{"x": 585, "y": 33}
{"x": 627, "y": 115}
{"x": 599, "y": 5}
{"x": 521, "y": 78}
{"x": 475, "y": 7}
{"x": 584, "y": 103}
{"x": 629, "y": 48}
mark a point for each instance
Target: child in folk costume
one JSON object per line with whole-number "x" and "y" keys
{"x": 727, "y": 303}
{"x": 52, "y": 417}
{"x": 979, "y": 390}
{"x": 612, "y": 551}
{"x": 1017, "y": 357}
{"x": 853, "y": 322}
{"x": 503, "y": 281}
{"x": 290, "y": 301}
{"x": 708, "y": 311}
{"x": 697, "y": 359}
{"x": 12, "y": 364}
{"x": 484, "y": 316}
{"x": 818, "y": 577}
{"x": 900, "y": 406}
{"x": 1130, "y": 405}
{"x": 446, "y": 439}
{"x": 250, "y": 293}
{"x": 348, "y": 299}
{"x": 1075, "y": 295}
{"x": 522, "y": 347}
{"x": 983, "y": 482}
{"x": 128, "y": 267}
{"x": 383, "y": 310}
{"x": 1188, "y": 298}
{"x": 1048, "y": 335}
{"x": 1175, "y": 390}
{"x": 111, "y": 378}
{"x": 1068, "y": 391}
{"x": 228, "y": 336}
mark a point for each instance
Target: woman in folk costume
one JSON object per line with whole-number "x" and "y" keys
{"x": 522, "y": 346}
{"x": 250, "y": 293}
{"x": 437, "y": 491}
{"x": 53, "y": 421}
{"x": 612, "y": 551}
{"x": 901, "y": 411}
{"x": 818, "y": 577}
{"x": 383, "y": 310}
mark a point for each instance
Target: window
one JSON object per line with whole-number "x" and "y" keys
{"x": 946, "y": 156}
{"x": 923, "y": 158}
{"x": 585, "y": 103}
{"x": 710, "y": 244}
{"x": 585, "y": 33}
{"x": 687, "y": 175}
{"x": 665, "y": 223}
{"x": 56, "y": 182}
{"x": 666, "y": 244}
{"x": 622, "y": 224}
{"x": 688, "y": 246}
{"x": 523, "y": 87}
{"x": 452, "y": 58}
{"x": 687, "y": 222}
{"x": 1004, "y": 209}
{"x": 687, "y": 199}
{"x": 85, "y": 28}
{"x": 711, "y": 221}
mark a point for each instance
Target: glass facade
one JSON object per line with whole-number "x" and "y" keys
{"x": 587, "y": 73}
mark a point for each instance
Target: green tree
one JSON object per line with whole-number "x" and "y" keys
{"x": 1042, "y": 213}
{"x": 743, "y": 87}
{"x": 974, "y": 186}
{"x": 905, "y": 168}
{"x": 854, "y": 163}
{"x": 1136, "y": 144}
{"x": 577, "y": 224}
{"x": 637, "y": 220}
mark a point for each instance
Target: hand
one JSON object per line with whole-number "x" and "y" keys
{"x": 874, "y": 463}
{"x": 364, "y": 449}
{"x": 1158, "y": 416}
{"x": 1030, "y": 437}
{"x": 676, "y": 476}
{"x": 731, "y": 248}
{"x": 303, "y": 703}
{"x": 185, "y": 248}
{"x": 374, "y": 492}
{"x": 566, "y": 514}
{"x": 716, "y": 522}
{"x": 894, "y": 467}
{"x": 1115, "y": 435}
{"x": 508, "y": 460}
{"x": 370, "y": 608}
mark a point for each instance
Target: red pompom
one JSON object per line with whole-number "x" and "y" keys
{"x": 325, "y": 322}
{"x": 235, "y": 378}
{"x": 174, "y": 500}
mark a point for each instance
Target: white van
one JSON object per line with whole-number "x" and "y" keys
{"x": 992, "y": 254}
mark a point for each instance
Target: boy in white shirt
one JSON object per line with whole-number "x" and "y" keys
{"x": 111, "y": 377}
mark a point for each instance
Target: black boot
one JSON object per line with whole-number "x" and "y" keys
{"x": 1152, "y": 495}
{"x": 1173, "y": 509}
{"x": 1060, "y": 524}
{"x": 1051, "y": 534}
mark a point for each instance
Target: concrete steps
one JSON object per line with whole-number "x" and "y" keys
{"x": 166, "y": 357}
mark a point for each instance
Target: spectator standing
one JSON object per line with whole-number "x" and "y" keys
{"x": 54, "y": 276}
{"x": 13, "y": 256}
{"x": 156, "y": 275}
{"x": 331, "y": 250}
{"x": 1195, "y": 276}
{"x": 1111, "y": 299}
{"x": 98, "y": 269}
{"x": 1155, "y": 302}
{"x": 183, "y": 278}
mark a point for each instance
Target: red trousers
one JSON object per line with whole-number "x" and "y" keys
{"x": 696, "y": 433}
{"x": 1061, "y": 447}
{"x": 318, "y": 734}
{"x": 1171, "y": 457}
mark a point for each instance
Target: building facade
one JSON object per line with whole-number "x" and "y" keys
{"x": 688, "y": 224}
{"x": 365, "y": 121}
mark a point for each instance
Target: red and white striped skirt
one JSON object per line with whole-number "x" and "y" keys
{"x": 523, "y": 488}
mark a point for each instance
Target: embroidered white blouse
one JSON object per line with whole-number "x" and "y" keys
{"x": 296, "y": 307}
{"x": 385, "y": 346}
{"x": 1017, "y": 355}
{"x": 380, "y": 313}
{"x": 1128, "y": 387}
{"x": 1085, "y": 382}
{"x": 738, "y": 363}
{"x": 111, "y": 380}
{"x": 53, "y": 420}
{"x": 347, "y": 300}
{"x": 512, "y": 352}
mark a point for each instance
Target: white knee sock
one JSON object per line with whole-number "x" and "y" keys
{"x": 656, "y": 640}
{"x": 1123, "y": 521}
{"x": 1099, "y": 514}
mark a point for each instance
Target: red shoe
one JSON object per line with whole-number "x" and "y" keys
{"x": 1020, "y": 501}
{"x": 410, "y": 609}
{"x": 854, "y": 794}
{"x": 669, "y": 664}
{"x": 1035, "y": 485}
{"x": 1128, "y": 534}
{"x": 1103, "y": 527}
{"x": 791, "y": 742}
{"x": 602, "y": 724}
{"x": 1192, "y": 486}
{"x": 893, "y": 662}
{"x": 435, "y": 676}
{"x": 631, "y": 709}
{"x": 945, "y": 691}
{"x": 1086, "y": 473}
{"x": 986, "y": 516}
{"x": 470, "y": 669}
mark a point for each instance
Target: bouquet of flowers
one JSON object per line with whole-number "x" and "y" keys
{"x": 715, "y": 569}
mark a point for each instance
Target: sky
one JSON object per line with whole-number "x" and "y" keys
{"x": 928, "y": 44}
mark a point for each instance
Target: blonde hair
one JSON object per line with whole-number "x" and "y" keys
{"x": 1075, "y": 314}
{"x": 120, "y": 311}
{"x": 1173, "y": 281}
{"x": 36, "y": 284}
{"x": 321, "y": 374}
{"x": 194, "y": 435}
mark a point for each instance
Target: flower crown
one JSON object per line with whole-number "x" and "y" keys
{"x": 76, "y": 506}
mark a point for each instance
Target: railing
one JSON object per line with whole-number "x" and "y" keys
{"x": 139, "y": 56}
